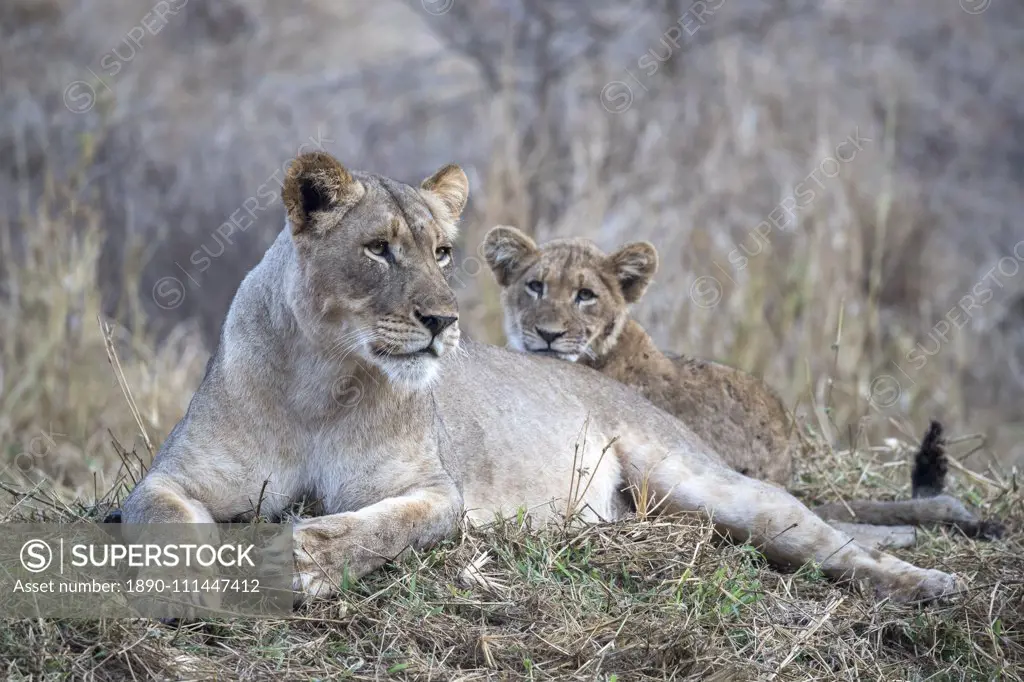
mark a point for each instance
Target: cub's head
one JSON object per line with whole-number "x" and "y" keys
{"x": 566, "y": 298}
{"x": 373, "y": 259}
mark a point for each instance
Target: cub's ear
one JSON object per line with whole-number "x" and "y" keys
{"x": 451, "y": 186}
{"x": 506, "y": 249}
{"x": 633, "y": 266}
{"x": 316, "y": 183}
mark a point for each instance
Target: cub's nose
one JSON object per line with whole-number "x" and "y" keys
{"x": 549, "y": 336}
{"x": 436, "y": 323}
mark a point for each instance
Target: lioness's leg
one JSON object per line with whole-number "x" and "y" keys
{"x": 781, "y": 526}
{"x": 872, "y": 535}
{"x": 159, "y": 500}
{"x": 876, "y": 536}
{"x": 330, "y": 548}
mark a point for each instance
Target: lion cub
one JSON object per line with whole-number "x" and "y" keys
{"x": 569, "y": 300}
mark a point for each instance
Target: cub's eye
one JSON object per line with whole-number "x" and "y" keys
{"x": 585, "y": 295}
{"x": 443, "y": 254}
{"x": 378, "y": 248}
{"x": 536, "y": 286}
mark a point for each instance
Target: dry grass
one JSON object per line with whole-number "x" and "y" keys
{"x": 60, "y": 401}
{"x": 659, "y": 598}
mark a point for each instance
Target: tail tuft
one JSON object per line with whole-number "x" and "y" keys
{"x": 990, "y": 530}
{"x": 929, "y": 475}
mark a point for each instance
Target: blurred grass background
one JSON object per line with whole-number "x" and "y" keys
{"x": 131, "y": 135}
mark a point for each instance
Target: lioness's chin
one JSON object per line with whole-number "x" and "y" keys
{"x": 413, "y": 372}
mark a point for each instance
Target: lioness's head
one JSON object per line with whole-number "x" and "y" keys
{"x": 374, "y": 256}
{"x": 566, "y": 298}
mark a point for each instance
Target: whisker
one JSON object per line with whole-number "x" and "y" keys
{"x": 344, "y": 339}
{"x": 344, "y": 352}
{"x": 348, "y": 343}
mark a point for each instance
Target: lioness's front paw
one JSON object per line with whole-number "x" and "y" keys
{"x": 923, "y": 585}
{"x": 311, "y": 562}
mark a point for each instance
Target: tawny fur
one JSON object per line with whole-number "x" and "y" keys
{"x": 734, "y": 411}
{"x": 329, "y": 383}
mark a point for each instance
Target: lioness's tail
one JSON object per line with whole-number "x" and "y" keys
{"x": 929, "y": 506}
{"x": 928, "y": 479}
{"x": 929, "y": 475}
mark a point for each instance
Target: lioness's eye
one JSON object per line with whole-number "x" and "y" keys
{"x": 443, "y": 254}
{"x": 585, "y": 295}
{"x": 378, "y": 248}
{"x": 536, "y": 286}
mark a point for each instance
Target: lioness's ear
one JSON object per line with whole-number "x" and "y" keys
{"x": 451, "y": 186}
{"x": 634, "y": 265}
{"x": 314, "y": 183}
{"x": 505, "y": 249}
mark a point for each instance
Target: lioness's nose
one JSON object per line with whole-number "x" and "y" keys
{"x": 436, "y": 323}
{"x": 549, "y": 336}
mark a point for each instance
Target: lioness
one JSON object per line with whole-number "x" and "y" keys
{"x": 339, "y": 375}
{"x": 569, "y": 300}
